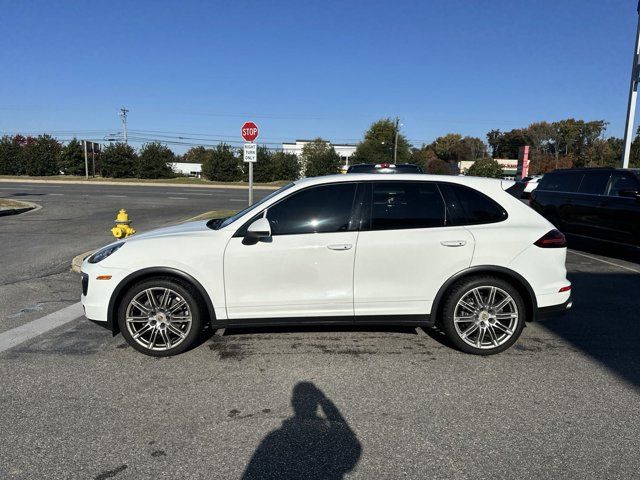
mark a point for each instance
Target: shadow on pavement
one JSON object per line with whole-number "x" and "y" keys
{"x": 585, "y": 245}
{"x": 604, "y": 321}
{"x": 307, "y": 445}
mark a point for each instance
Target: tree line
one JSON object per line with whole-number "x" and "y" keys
{"x": 44, "y": 156}
{"x": 563, "y": 144}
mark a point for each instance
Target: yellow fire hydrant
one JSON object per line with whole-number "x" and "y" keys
{"x": 123, "y": 226}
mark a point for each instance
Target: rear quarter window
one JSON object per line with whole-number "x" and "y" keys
{"x": 466, "y": 206}
{"x": 560, "y": 182}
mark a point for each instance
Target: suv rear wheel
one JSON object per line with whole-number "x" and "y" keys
{"x": 483, "y": 315}
{"x": 160, "y": 317}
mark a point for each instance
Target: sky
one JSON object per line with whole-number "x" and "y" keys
{"x": 303, "y": 69}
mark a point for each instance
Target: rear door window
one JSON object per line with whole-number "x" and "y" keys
{"x": 594, "y": 183}
{"x": 466, "y": 206}
{"x": 561, "y": 182}
{"x": 622, "y": 181}
{"x": 402, "y": 205}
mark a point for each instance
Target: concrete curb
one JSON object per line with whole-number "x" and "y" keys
{"x": 76, "y": 263}
{"x": 140, "y": 184}
{"x": 28, "y": 206}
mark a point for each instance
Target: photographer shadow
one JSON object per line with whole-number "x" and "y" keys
{"x": 307, "y": 445}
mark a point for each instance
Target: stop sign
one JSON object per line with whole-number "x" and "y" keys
{"x": 249, "y": 131}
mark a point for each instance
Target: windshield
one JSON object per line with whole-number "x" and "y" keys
{"x": 228, "y": 221}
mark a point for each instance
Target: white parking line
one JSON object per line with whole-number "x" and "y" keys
{"x": 59, "y": 194}
{"x": 11, "y": 188}
{"x": 190, "y": 193}
{"x": 16, "y": 336}
{"x": 178, "y": 198}
{"x": 605, "y": 261}
{"x": 237, "y": 199}
{"x": 117, "y": 196}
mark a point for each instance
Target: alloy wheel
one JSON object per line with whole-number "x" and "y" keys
{"x": 485, "y": 317}
{"x": 158, "y": 318}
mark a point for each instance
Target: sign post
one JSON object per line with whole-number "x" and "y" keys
{"x": 249, "y": 134}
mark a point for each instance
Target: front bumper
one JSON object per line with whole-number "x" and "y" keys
{"x": 96, "y": 294}
{"x": 554, "y": 310}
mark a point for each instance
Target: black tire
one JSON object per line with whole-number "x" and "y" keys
{"x": 192, "y": 308}
{"x": 461, "y": 289}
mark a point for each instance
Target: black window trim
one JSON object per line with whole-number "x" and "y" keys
{"x": 353, "y": 222}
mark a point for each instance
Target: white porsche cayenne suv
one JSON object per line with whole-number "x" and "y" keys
{"x": 457, "y": 253}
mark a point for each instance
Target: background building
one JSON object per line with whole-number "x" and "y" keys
{"x": 189, "y": 169}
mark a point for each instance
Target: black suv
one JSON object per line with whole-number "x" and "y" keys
{"x": 601, "y": 203}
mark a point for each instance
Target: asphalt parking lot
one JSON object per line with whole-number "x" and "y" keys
{"x": 312, "y": 402}
{"x": 36, "y": 247}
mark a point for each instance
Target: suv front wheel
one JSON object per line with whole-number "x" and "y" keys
{"x": 160, "y": 317}
{"x": 483, "y": 315}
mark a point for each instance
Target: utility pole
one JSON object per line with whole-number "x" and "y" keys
{"x": 86, "y": 164}
{"x": 395, "y": 142}
{"x": 633, "y": 95}
{"x": 123, "y": 114}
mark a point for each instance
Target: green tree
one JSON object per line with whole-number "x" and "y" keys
{"x": 264, "y": 168}
{"x": 11, "y": 156}
{"x": 41, "y": 156}
{"x": 486, "y": 167}
{"x": 423, "y": 156}
{"x": 286, "y": 166}
{"x": 377, "y": 146}
{"x": 222, "y": 165}
{"x": 71, "y": 158}
{"x": 447, "y": 147}
{"x": 154, "y": 161}
{"x": 319, "y": 158}
{"x": 471, "y": 148}
{"x": 119, "y": 160}
{"x": 196, "y": 155}
{"x": 438, "y": 167}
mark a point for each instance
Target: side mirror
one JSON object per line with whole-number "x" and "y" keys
{"x": 261, "y": 228}
{"x": 629, "y": 193}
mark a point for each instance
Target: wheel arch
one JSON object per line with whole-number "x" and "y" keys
{"x": 123, "y": 286}
{"x": 514, "y": 278}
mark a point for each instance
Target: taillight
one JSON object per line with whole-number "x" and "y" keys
{"x": 565, "y": 289}
{"x": 553, "y": 239}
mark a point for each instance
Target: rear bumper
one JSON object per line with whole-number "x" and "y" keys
{"x": 554, "y": 310}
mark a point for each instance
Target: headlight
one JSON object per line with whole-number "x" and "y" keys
{"x": 104, "y": 253}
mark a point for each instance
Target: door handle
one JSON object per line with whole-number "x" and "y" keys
{"x": 454, "y": 243}
{"x": 340, "y": 246}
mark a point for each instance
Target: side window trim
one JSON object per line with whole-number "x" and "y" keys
{"x": 241, "y": 232}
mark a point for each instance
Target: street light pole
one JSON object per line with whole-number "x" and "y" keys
{"x": 633, "y": 95}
